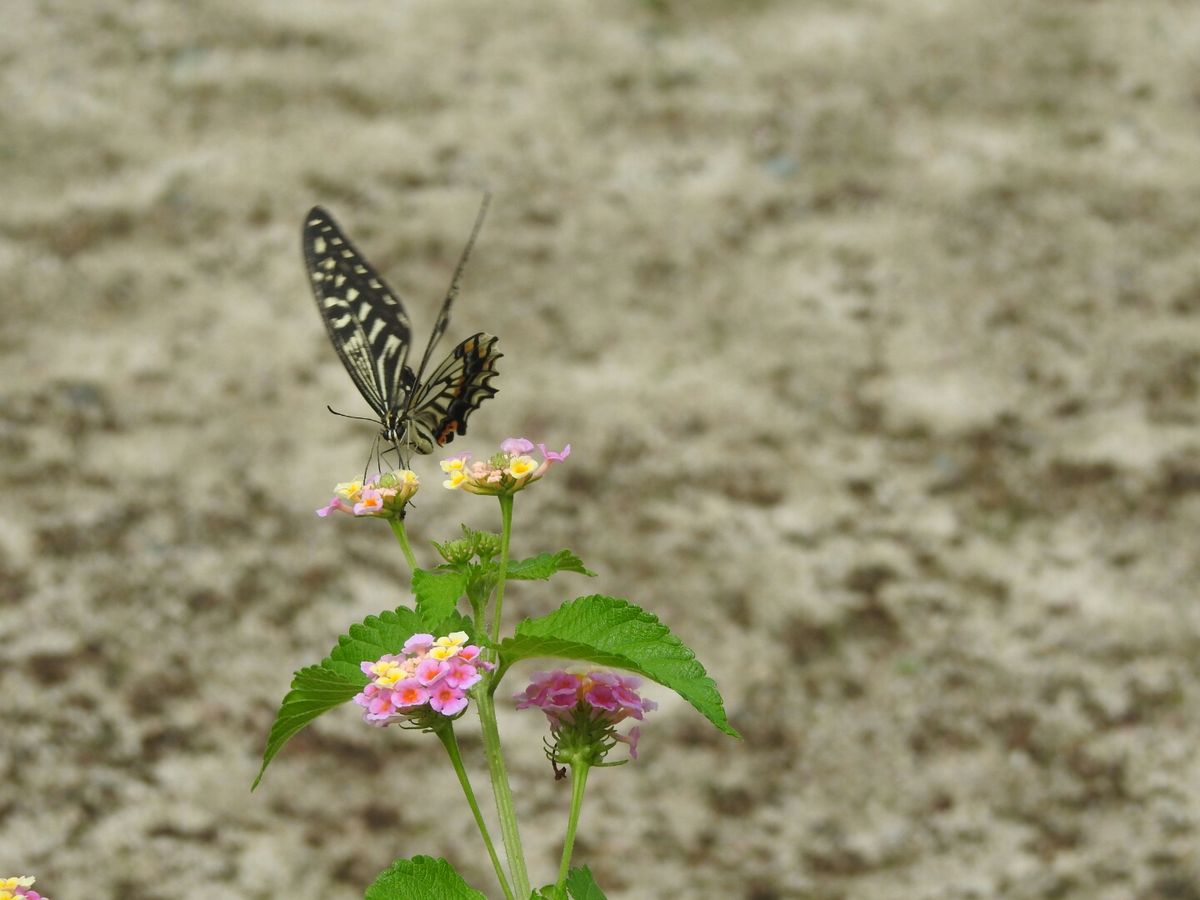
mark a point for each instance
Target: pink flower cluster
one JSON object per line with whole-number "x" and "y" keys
{"x": 568, "y": 695}
{"x": 17, "y": 887}
{"x": 430, "y": 673}
{"x": 383, "y": 495}
{"x": 507, "y": 472}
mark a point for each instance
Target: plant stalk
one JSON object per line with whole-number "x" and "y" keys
{"x": 450, "y": 742}
{"x": 485, "y": 704}
{"x": 579, "y": 774}
{"x": 506, "y": 509}
{"x": 402, "y": 537}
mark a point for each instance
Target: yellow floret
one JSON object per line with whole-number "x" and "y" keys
{"x": 521, "y": 466}
{"x": 348, "y": 490}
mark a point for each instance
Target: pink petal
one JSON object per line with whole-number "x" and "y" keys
{"x": 551, "y": 456}
{"x": 448, "y": 701}
{"x": 418, "y": 643}
{"x": 334, "y": 504}
{"x": 430, "y": 670}
{"x": 462, "y": 675}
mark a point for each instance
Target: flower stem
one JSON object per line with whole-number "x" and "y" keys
{"x": 402, "y": 537}
{"x": 450, "y": 742}
{"x": 506, "y": 507}
{"x": 579, "y": 774}
{"x": 485, "y": 704}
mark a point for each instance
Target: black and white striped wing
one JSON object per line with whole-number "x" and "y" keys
{"x": 453, "y": 391}
{"x": 365, "y": 319}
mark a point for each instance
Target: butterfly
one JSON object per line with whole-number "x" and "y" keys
{"x": 372, "y": 334}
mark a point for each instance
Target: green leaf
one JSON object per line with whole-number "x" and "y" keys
{"x": 318, "y": 689}
{"x": 371, "y": 639}
{"x": 613, "y": 632}
{"x": 421, "y": 878}
{"x": 582, "y": 886}
{"x": 314, "y": 690}
{"x": 438, "y": 592}
{"x": 542, "y": 566}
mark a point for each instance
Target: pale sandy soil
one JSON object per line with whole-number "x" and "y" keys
{"x": 875, "y": 326}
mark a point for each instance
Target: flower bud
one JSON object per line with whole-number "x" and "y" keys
{"x": 486, "y": 544}
{"x": 455, "y": 551}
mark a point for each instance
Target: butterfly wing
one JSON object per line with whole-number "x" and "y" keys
{"x": 455, "y": 389}
{"x": 365, "y": 319}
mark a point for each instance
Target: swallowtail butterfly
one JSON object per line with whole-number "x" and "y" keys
{"x": 371, "y": 332}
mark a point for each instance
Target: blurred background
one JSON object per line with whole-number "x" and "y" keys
{"x": 875, "y": 326}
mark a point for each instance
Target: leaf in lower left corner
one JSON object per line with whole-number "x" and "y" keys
{"x": 421, "y": 878}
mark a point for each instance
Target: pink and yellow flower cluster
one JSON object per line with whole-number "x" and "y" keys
{"x": 507, "y": 472}
{"x": 14, "y": 888}
{"x": 583, "y": 698}
{"x": 430, "y": 673}
{"x": 384, "y": 495}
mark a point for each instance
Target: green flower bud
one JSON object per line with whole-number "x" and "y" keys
{"x": 455, "y": 551}
{"x": 485, "y": 544}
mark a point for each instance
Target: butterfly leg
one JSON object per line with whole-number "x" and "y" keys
{"x": 374, "y": 453}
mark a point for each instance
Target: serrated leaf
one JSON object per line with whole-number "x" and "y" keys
{"x": 581, "y": 885}
{"x": 421, "y": 878}
{"x": 318, "y": 689}
{"x": 542, "y": 566}
{"x": 314, "y": 690}
{"x": 613, "y": 632}
{"x": 438, "y": 592}
{"x": 371, "y": 638}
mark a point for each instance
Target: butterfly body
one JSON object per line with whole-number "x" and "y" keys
{"x": 372, "y": 334}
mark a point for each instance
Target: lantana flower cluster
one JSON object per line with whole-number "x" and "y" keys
{"x": 510, "y": 470}
{"x": 383, "y": 495}
{"x": 429, "y": 675}
{"x": 21, "y": 886}
{"x": 584, "y": 705}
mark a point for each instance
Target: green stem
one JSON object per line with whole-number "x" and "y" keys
{"x": 579, "y": 774}
{"x": 450, "y": 742}
{"x": 485, "y": 704}
{"x": 402, "y": 537}
{"x": 506, "y": 507}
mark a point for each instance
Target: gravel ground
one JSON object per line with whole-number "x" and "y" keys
{"x": 875, "y": 326}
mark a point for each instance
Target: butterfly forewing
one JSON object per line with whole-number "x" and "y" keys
{"x": 453, "y": 391}
{"x": 366, "y": 321}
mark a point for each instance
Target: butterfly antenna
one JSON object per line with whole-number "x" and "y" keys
{"x": 466, "y": 254}
{"x": 345, "y": 416}
{"x": 443, "y": 319}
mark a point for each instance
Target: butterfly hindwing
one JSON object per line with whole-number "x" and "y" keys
{"x": 454, "y": 390}
{"x": 365, "y": 319}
